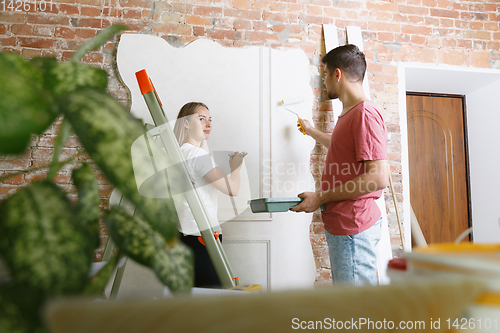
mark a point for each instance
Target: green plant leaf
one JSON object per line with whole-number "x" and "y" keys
{"x": 135, "y": 238}
{"x": 61, "y": 139}
{"x": 42, "y": 247}
{"x": 20, "y": 310}
{"x": 62, "y": 78}
{"x": 25, "y": 106}
{"x": 107, "y": 132}
{"x": 97, "y": 283}
{"x": 100, "y": 39}
{"x": 87, "y": 208}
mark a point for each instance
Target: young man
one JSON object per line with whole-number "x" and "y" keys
{"x": 354, "y": 174}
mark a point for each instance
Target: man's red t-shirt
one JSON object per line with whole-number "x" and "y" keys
{"x": 359, "y": 135}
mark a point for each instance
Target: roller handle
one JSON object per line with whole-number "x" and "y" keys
{"x": 302, "y": 129}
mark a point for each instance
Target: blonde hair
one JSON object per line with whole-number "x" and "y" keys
{"x": 186, "y": 111}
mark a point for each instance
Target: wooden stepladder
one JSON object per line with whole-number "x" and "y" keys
{"x": 167, "y": 139}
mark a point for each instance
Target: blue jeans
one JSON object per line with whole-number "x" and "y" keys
{"x": 353, "y": 258}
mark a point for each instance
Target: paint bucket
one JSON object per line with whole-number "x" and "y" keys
{"x": 480, "y": 261}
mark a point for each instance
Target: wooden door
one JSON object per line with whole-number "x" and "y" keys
{"x": 438, "y": 165}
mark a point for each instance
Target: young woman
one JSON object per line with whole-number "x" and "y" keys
{"x": 192, "y": 128}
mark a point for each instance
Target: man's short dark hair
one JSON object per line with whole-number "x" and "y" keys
{"x": 349, "y": 59}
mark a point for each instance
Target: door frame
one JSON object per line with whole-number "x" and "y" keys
{"x": 445, "y": 79}
{"x": 466, "y": 146}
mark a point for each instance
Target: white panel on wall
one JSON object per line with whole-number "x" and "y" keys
{"x": 243, "y": 250}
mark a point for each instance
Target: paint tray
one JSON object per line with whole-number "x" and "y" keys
{"x": 273, "y": 205}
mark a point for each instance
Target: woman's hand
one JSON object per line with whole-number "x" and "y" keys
{"x": 235, "y": 161}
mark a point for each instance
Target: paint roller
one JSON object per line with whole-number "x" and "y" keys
{"x": 291, "y": 101}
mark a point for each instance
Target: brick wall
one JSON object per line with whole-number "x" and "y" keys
{"x": 462, "y": 32}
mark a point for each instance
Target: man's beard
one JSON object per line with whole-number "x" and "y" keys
{"x": 332, "y": 96}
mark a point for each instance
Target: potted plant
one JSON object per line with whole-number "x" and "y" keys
{"x": 47, "y": 242}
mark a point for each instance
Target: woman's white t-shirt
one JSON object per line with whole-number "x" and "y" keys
{"x": 199, "y": 163}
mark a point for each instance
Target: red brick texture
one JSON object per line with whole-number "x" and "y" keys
{"x": 453, "y": 32}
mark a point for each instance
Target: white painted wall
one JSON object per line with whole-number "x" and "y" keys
{"x": 483, "y": 120}
{"x": 481, "y": 88}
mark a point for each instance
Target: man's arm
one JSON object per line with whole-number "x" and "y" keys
{"x": 316, "y": 134}
{"x": 375, "y": 178}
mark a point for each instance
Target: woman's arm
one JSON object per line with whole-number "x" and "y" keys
{"x": 227, "y": 184}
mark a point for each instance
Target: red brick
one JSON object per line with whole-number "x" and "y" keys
{"x": 491, "y": 26}
{"x": 14, "y": 180}
{"x": 480, "y": 59}
{"x": 263, "y": 5}
{"x": 116, "y": 12}
{"x": 38, "y": 43}
{"x": 6, "y": 191}
{"x": 451, "y": 57}
{"x": 417, "y": 19}
{"x": 216, "y": 33}
{"x": 417, "y": 30}
{"x": 43, "y": 30}
{"x": 460, "y": 24}
{"x": 332, "y": 12}
{"x": 275, "y": 17}
{"x": 182, "y": 8}
{"x": 477, "y": 34}
{"x": 450, "y": 42}
{"x": 490, "y": 7}
{"x": 197, "y": 20}
{"x": 8, "y": 41}
{"x": 429, "y": 3}
{"x": 261, "y": 36}
{"x": 12, "y": 17}
{"x": 65, "y": 33}
{"x": 62, "y": 178}
{"x": 36, "y": 175}
{"x": 242, "y": 24}
{"x": 418, "y": 40}
{"x": 32, "y": 53}
{"x": 261, "y": 26}
{"x": 385, "y": 36}
{"x": 90, "y": 23}
{"x": 319, "y": 20}
{"x": 476, "y": 25}
{"x": 134, "y": 3}
{"x": 46, "y": 140}
{"x": 198, "y": 31}
{"x": 90, "y": 11}
{"x": 242, "y": 4}
{"x": 246, "y": 14}
{"x": 383, "y": 6}
{"x": 132, "y": 14}
{"x": 444, "y": 13}
{"x": 314, "y": 10}
{"x": 277, "y": 7}
{"x": 93, "y": 58}
{"x": 208, "y": 11}
{"x": 467, "y": 44}
{"x": 85, "y": 33}
{"x": 296, "y": 29}
{"x": 21, "y": 29}
{"x": 381, "y": 26}
{"x": 172, "y": 29}
{"x": 43, "y": 154}
{"x": 42, "y": 18}
{"x": 68, "y": 9}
